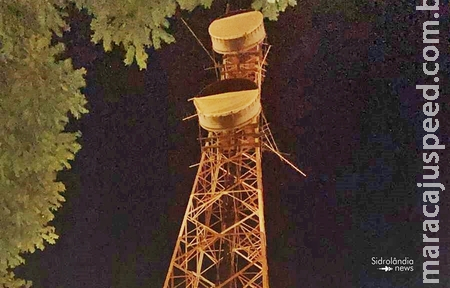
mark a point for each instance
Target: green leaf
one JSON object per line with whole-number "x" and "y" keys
{"x": 129, "y": 58}
{"x": 141, "y": 57}
{"x": 107, "y": 42}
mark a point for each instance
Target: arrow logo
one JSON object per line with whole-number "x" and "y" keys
{"x": 386, "y": 268}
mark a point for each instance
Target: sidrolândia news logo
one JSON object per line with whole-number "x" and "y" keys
{"x": 393, "y": 264}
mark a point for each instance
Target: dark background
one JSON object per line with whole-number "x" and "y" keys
{"x": 340, "y": 96}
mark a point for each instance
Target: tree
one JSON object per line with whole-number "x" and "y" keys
{"x": 36, "y": 94}
{"x": 39, "y": 92}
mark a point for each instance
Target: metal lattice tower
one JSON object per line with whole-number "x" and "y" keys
{"x": 222, "y": 240}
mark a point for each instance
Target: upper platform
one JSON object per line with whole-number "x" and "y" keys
{"x": 237, "y": 32}
{"x": 228, "y": 104}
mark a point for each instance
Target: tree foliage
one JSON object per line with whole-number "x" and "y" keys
{"x": 38, "y": 92}
{"x": 140, "y": 24}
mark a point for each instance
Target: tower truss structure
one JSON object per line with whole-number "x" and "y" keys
{"x": 222, "y": 240}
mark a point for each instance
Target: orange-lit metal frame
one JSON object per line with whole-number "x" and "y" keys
{"x": 222, "y": 241}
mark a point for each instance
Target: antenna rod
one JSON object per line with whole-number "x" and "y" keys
{"x": 200, "y": 42}
{"x": 284, "y": 159}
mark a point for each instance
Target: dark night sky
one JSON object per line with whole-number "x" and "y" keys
{"x": 340, "y": 98}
